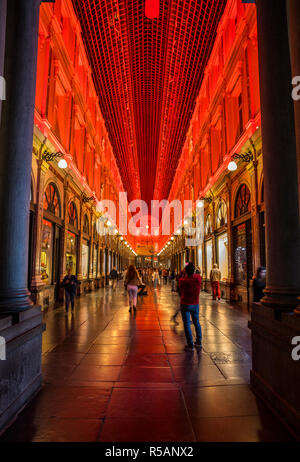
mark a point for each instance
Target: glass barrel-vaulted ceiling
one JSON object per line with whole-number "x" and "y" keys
{"x": 147, "y": 74}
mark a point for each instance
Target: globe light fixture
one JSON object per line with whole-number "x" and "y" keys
{"x": 232, "y": 166}
{"x": 62, "y": 164}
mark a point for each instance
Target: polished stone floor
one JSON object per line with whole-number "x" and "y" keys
{"x": 111, "y": 376}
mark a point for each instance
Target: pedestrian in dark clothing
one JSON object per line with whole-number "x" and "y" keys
{"x": 173, "y": 280}
{"x": 113, "y": 275}
{"x": 190, "y": 286}
{"x": 178, "y": 277}
{"x": 259, "y": 283}
{"x": 70, "y": 285}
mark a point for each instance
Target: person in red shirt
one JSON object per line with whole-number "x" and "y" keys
{"x": 190, "y": 286}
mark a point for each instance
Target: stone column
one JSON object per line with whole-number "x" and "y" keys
{"x": 294, "y": 34}
{"x": 16, "y": 137}
{"x": 280, "y": 159}
{"x": 3, "y": 8}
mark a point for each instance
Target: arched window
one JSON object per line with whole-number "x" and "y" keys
{"x": 86, "y": 225}
{"x": 221, "y": 219}
{"x": 243, "y": 201}
{"x": 52, "y": 200}
{"x": 208, "y": 227}
{"x": 95, "y": 234}
{"x": 73, "y": 217}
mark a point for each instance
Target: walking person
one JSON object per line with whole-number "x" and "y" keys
{"x": 155, "y": 279}
{"x": 259, "y": 283}
{"x": 70, "y": 285}
{"x": 113, "y": 276}
{"x": 215, "y": 278}
{"x": 173, "y": 280}
{"x": 190, "y": 286}
{"x": 132, "y": 281}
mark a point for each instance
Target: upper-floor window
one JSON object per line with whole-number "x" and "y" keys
{"x": 221, "y": 219}
{"x": 73, "y": 216}
{"x": 243, "y": 201}
{"x": 52, "y": 200}
{"x": 86, "y": 225}
{"x": 208, "y": 225}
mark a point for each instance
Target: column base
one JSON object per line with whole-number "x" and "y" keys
{"x": 281, "y": 300}
{"x": 275, "y": 373}
{"x": 20, "y": 365}
{"x": 15, "y": 301}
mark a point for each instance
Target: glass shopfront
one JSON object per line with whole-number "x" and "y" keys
{"x": 95, "y": 260}
{"x": 223, "y": 255}
{"x": 71, "y": 246}
{"x": 208, "y": 257}
{"x": 85, "y": 251}
{"x": 200, "y": 263}
{"x": 243, "y": 253}
{"x": 47, "y": 252}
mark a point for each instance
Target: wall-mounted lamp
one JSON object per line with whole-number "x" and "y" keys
{"x": 248, "y": 156}
{"x": 208, "y": 199}
{"x": 48, "y": 156}
{"x": 86, "y": 199}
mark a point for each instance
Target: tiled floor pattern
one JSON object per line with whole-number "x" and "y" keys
{"x": 111, "y": 376}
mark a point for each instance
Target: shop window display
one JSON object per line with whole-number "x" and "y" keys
{"x": 208, "y": 248}
{"x": 223, "y": 255}
{"x": 71, "y": 252}
{"x": 85, "y": 260}
{"x": 46, "y": 252}
{"x": 241, "y": 255}
{"x": 200, "y": 258}
{"x": 95, "y": 260}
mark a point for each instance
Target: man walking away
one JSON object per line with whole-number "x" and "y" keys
{"x": 70, "y": 285}
{"x": 215, "y": 278}
{"x": 173, "y": 280}
{"x": 190, "y": 286}
{"x": 114, "y": 277}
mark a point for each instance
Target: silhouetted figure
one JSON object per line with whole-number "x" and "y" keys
{"x": 113, "y": 275}
{"x": 259, "y": 283}
{"x": 70, "y": 285}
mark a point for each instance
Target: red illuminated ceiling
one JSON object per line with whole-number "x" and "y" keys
{"x": 148, "y": 73}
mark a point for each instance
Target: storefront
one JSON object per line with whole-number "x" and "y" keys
{"x": 242, "y": 242}
{"x": 85, "y": 252}
{"x": 208, "y": 247}
{"x": 71, "y": 252}
{"x": 72, "y": 239}
{"x": 50, "y": 244}
{"x": 222, "y": 252}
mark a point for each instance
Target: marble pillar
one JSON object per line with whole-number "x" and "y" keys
{"x": 16, "y": 138}
{"x": 279, "y": 158}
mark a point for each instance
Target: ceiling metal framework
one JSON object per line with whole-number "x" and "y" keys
{"x": 148, "y": 73}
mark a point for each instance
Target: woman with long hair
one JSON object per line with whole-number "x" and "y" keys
{"x": 132, "y": 281}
